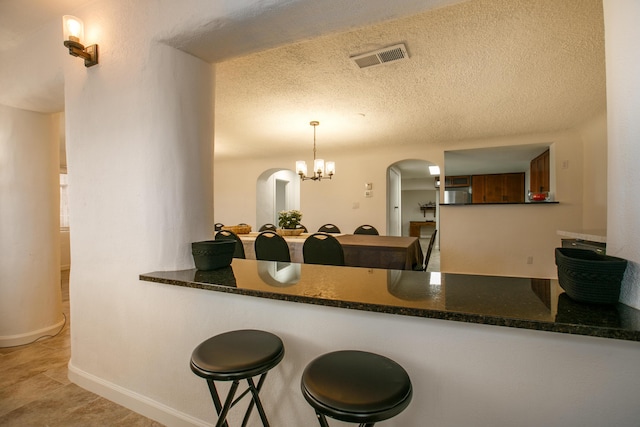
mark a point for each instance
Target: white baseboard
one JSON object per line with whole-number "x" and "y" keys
{"x": 31, "y": 336}
{"x": 133, "y": 401}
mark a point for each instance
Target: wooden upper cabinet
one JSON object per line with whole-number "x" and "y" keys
{"x": 513, "y": 188}
{"x": 478, "y": 188}
{"x": 539, "y": 173}
{"x": 498, "y": 188}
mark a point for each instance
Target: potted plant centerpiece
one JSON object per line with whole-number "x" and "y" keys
{"x": 289, "y": 222}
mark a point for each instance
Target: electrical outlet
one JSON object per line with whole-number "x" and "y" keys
{"x": 530, "y": 260}
{"x": 565, "y": 164}
{"x": 368, "y": 193}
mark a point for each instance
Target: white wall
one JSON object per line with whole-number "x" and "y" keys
{"x": 30, "y": 305}
{"x": 623, "y": 104}
{"x": 462, "y": 374}
{"x": 139, "y": 131}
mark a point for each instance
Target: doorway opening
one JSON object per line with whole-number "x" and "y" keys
{"x": 276, "y": 190}
{"x": 413, "y": 201}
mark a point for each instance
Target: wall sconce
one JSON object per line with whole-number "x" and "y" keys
{"x": 73, "y": 30}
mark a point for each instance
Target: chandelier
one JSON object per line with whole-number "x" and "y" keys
{"x": 320, "y": 170}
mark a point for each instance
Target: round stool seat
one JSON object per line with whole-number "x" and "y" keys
{"x": 356, "y": 386}
{"x": 237, "y": 355}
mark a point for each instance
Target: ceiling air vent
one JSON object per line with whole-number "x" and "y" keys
{"x": 381, "y": 56}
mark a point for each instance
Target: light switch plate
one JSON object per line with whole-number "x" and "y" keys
{"x": 368, "y": 186}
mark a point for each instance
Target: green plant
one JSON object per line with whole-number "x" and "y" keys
{"x": 289, "y": 219}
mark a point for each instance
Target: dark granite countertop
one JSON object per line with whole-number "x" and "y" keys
{"x": 538, "y": 304}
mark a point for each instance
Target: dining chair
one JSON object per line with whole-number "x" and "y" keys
{"x": 270, "y": 246}
{"x": 267, "y": 226}
{"x": 322, "y": 248}
{"x": 366, "y": 229}
{"x": 304, "y": 229}
{"x": 230, "y": 235}
{"x": 328, "y": 228}
{"x": 432, "y": 240}
{"x": 218, "y": 226}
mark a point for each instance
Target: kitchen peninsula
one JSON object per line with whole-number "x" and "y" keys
{"x": 471, "y": 342}
{"x": 528, "y": 303}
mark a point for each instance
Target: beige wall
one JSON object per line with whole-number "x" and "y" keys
{"x": 594, "y": 136}
{"x": 29, "y": 227}
{"x": 340, "y": 201}
{"x": 65, "y": 250}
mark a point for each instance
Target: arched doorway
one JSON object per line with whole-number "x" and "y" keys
{"x": 413, "y": 201}
{"x": 276, "y": 190}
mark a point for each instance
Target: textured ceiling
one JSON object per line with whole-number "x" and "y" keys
{"x": 478, "y": 69}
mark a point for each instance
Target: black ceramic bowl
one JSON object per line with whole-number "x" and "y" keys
{"x": 212, "y": 254}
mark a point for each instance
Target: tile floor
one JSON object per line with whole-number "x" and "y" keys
{"x": 35, "y": 390}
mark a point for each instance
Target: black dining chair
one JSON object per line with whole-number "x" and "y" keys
{"x": 367, "y": 229}
{"x": 304, "y": 229}
{"x": 322, "y": 248}
{"x": 328, "y": 228}
{"x": 432, "y": 241}
{"x": 267, "y": 226}
{"x": 270, "y": 246}
{"x": 230, "y": 235}
{"x": 218, "y": 226}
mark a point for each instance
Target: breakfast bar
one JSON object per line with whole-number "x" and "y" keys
{"x": 527, "y": 303}
{"x": 466, "y": 341}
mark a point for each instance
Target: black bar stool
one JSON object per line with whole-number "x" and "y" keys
{"x": 356, "y": 387}
{"x": 235, "y": 356}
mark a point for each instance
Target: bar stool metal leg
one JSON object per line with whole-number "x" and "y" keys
{"x": 236, "y": 356}
{"x": 229, "y": 403}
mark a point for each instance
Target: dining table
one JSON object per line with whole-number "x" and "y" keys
{"x": 360, "y": 250}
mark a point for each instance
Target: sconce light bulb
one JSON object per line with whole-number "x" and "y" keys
{"x": 73, "y": 28}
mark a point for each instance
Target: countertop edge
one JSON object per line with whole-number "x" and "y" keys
{"x": 599, "y": 236}
{"x": 565, "y": 328}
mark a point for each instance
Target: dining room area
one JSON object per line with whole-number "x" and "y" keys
{"x": 364, "y": 247}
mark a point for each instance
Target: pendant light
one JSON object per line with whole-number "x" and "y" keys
{"x": 320, "y": 169}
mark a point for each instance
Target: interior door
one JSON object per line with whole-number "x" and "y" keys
{"x": 394, "y": 210}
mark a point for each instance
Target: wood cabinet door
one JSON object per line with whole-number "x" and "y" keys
{"x": 477, "y": 188}
{"x": 493, "y": 188}
{"x": 539, "y": 173}
{"x": 513, "y": 188}
{"x": 498, "y": 188}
